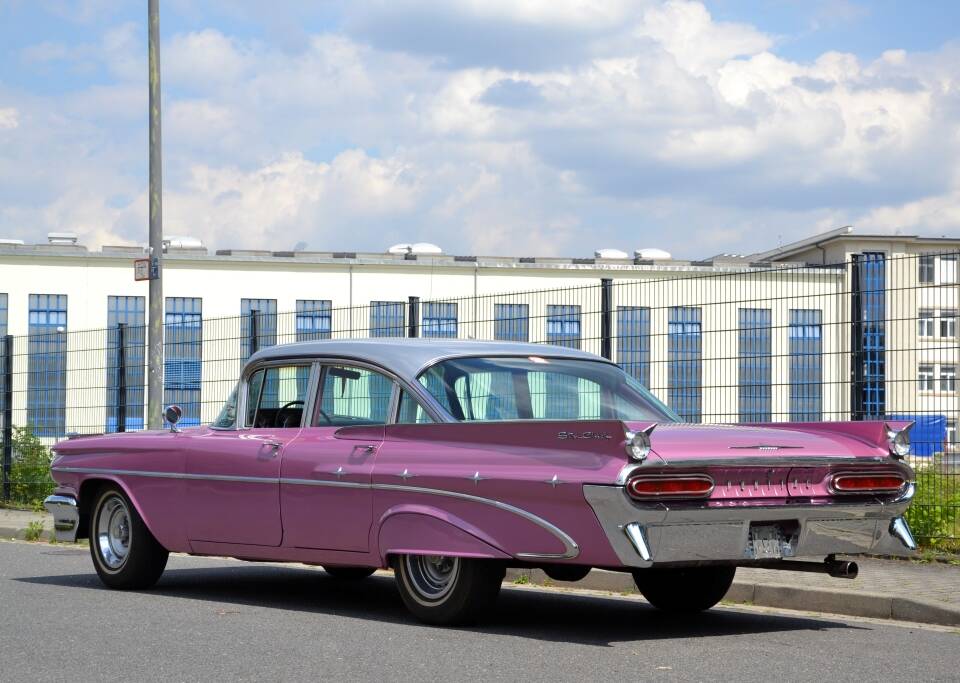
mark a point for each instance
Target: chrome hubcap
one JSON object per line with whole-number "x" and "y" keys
{"x": 113, "y": 532}
{"x": 432, "y": 576}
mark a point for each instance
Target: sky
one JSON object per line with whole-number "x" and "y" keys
{"x": 489, "y": 127}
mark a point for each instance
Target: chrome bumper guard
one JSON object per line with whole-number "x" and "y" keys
{"x": 667, "y": 533}
{"x": 66, "y": 517}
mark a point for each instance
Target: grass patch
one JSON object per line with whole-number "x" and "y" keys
{"x": 34, "y": 530}
{"x": 934, "y": 515}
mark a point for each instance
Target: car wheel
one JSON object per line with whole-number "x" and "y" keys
{"x": 349, "y": 573}
{"x": 692, "y": 589}
{"x": 447, "y": 590}
{"x": 125, "y": 553}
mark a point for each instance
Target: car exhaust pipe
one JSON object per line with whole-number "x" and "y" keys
{"x": 838, "y": 569}
{"x": 841, "y": 569}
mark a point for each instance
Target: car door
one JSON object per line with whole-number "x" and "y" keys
{"x": 233, "y": 475}
{"x": 325, "y": 494}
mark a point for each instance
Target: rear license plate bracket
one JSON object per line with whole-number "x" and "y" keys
{"x": 765, "y": 542}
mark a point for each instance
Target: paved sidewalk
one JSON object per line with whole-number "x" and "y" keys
{"x": 884, "y": 589}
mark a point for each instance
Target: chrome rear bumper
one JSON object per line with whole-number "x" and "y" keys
{"x": 667, "y": 533}
{"x": 66, "y": 517}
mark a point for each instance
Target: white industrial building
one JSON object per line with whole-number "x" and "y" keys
{"x": 728, "y": 338}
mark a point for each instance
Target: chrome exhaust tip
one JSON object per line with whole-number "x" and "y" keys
{"x": 842, "y": 569}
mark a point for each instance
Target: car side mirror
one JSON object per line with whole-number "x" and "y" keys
{"x": 172, "y": 415}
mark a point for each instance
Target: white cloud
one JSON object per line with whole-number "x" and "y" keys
{"x": 9, "y": 118}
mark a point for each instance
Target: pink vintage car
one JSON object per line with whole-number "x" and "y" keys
{"x": 453, "y": 460}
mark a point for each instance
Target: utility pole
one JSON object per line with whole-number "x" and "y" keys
{"x": 155, "y": 323}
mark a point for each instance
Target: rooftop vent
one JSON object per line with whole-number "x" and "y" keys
{"x": 610, "y": 254}
{"x": 652, "y": 254}
{"x": 10, "y": 241}
{"x": 62, "y": 238}
{"x": 181, "y": 242}
{"x": 415, "y": 248}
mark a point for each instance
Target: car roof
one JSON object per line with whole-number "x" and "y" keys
{"x": 407, "y": 357}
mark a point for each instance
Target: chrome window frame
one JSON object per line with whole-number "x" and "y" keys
{"x": 240, "y": 417}
{"x": 435, "y": 412}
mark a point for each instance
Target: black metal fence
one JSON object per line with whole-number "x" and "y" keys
{"x": 872, "y": 337}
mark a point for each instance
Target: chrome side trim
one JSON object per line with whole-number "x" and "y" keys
{"x": 571, "y": 549}
{"x": 167, "y": 475}
{"x": 66, "y": 517}
{"x": 326, "y": 482}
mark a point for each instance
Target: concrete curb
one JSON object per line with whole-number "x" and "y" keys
{"x": 826, "y": 600}
{"x": 18, "y": 532}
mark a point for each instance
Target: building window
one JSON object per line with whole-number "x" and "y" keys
{"x": 925, "y": 323}
{"x": 754, "y": 373}
{"x": 128, "y": 311}
{"x": 948, "y": 378}
{"x": 386, "y": 319}
{"x": 259, "y": 321}
{"x": 873, "y": 294}
{"x": 806, "y": 365}
{"x": 511, "y": 322}
{"x": 439, "y": 320}
{"x": 948, "y": 269}
{"x": 314, "y": 319}
{"x": 633, "y": 342}
{"x": 47, "y": 364}
{"x": 684, "y": 357}
{"x": 925, "y": 378}
{"x": 183, "y": 356}
{"x": 563, "y": 325}
{"x": 927, "y": 269}
{"x": 948, "y": 324}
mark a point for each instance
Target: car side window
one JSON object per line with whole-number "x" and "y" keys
{"x": 351, "y": 395}
{"x": 411, "y": 412}
{"x": 276, "y": 396}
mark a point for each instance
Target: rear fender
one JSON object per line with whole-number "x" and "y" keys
{"x": 424, "y": 530}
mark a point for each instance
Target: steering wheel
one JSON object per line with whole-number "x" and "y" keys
{"x": 286, "y": 406}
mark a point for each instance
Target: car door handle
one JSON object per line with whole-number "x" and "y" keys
{"x": 273, "y": 443}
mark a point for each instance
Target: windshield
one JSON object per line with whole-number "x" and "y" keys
{"x": 540, "y": 388}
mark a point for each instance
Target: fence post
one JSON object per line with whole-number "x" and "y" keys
{"x": 413, "y": 321}
{"x": 253, "y": 332}
{"x": 7, "y": 413}
{"x": 606, "y": 318}
{"x": 121, "y": 378}
{"x": 856, "y": 340}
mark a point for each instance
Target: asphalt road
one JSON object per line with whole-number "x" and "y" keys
{"x": 221, "y": 619}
